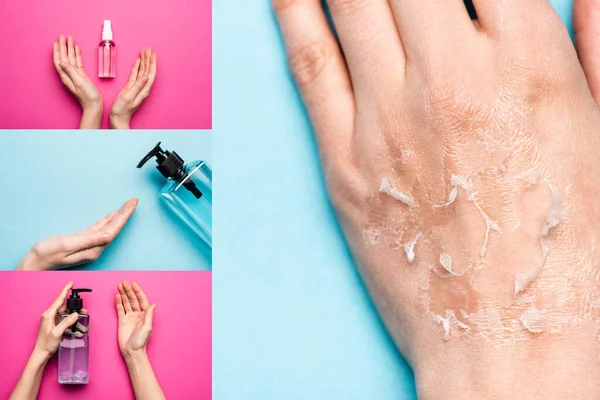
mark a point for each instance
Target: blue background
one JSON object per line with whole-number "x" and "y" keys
{"x": 291, "y": 317}
{"x": 56, "y": 182}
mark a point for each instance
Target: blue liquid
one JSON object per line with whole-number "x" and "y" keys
{"x": 195, "y": 213}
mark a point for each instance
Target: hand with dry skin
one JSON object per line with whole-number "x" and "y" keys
{"x": 80, "y": 247}
{"x": 462, "y": 160}
{"x": 135, "y": 315}
{"x": 47, "y": 342}
{"x": 136, "y": 91}
{"x": 69, "y": 65}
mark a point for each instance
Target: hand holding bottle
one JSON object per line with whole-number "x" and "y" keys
{"x": 136, "y": 91}
{"x": 51, "y": 330}
{"x": 135, "y": 316}
{"x": 78, "y": 248}
{"x": 69, "y": 65}
{"x": 48, "y": 340}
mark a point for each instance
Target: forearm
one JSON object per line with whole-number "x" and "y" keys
{"x": 91, "y": 117}
{"x": 144, "y": 382}
{"x": 29, "y": 383}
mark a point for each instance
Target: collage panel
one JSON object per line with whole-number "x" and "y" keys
{"x": 153, "y": 343}
{"x": 89, "y": 193}
{"x": 122, "y": 64}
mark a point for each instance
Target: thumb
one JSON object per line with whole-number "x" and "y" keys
{"x": 85, "y": 241}
{"x": 149, "y": 316}
{"x": 71, "y": 73}
{"x": 66, "y": 323}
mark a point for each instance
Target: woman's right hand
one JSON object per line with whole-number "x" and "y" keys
{"x": 69, "y": 65}
{"x": 51, "y": 330}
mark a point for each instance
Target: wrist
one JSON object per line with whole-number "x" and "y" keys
{"x": 119, "y": 121}
{"x": 553, "y": 366}
{"x": 135, "y": 357}
{"x": 30, "y": 262}
{"x": 93, "y": 108}
{"x": 40, "y": 356}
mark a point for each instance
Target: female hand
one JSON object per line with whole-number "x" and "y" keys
{"x": 80, "y": 247}
{"x": 69, "y": 65}
{"x": 136, "y": 91}
{"x": 51, "y": 330}
{"x": 135, "y": 319}
{"x": 461, "y": 159}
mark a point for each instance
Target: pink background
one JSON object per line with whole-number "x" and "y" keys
{"x": 179, "y": 349}
{"x": 179, "y": 31}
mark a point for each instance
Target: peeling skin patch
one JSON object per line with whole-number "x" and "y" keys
{"x": 371, "y": 236}
{"x": 523, "y": 281}
{"x": 556, "y": 213}
{"x": 396, "y": 194}
{"x": 489, "y": 225}
{"x": 446, "y": 261}
{"x": 451, "y": 198}
{"x": 409, "y": 248}
{"x": 533, "y": 320}
{"x": 448, "y": 322}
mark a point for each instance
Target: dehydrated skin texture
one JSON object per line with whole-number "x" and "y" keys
{"x": 391, "y": 191}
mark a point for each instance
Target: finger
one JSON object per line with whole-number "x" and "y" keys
{"x": 78, "y": 58}
{"x": 83, "y": 311}
{"x": 84, "y": 241}
{"x": 431, "y": 29}
{"x": 586, "y": 14}
{"x": 72, "y": 73}
{"x": 148, "y": 52}
{"x": 64, "y": 58}
{"x": 320, "y": 73}
{"x": 133, "y": 300}
{"x": 83, "y": 256}
{"x": 65, "y": 324}
{"x": 71, "y": 52}
{"x": 63, "y": 75}
{"x": 59, "y": 301}
{"x": 115, "y": 226}
{"x": 133, "y": 75}
{"x": 142, "y": 63}
{"x": 149, "y": 316}
{"x": 120, "y": 308}
{"x": 375, "y": 45}
{"x": 100, "y": 223}
{"x": 141, "y": 296}
{"x": 152, "y": 72}
{"x": 62, "y": 309}
{"x": 124, "y": 299}
{"x": 510, "y": 16}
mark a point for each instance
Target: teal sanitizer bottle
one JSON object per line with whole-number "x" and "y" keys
{"x": 188, "y": 190}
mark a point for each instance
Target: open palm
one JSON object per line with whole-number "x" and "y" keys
{"x": 135, "y": 318}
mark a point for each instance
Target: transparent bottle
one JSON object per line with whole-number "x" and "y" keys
{"x": 73, "y": 350}
{"x": 188, "y": 190}
{"x": 107, "y": 53}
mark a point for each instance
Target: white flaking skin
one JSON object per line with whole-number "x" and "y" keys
{"x": 409, "y": 248}
{"x": 395, "y": 193}
{"x": 533, "y": 320}
{"x": 448, "y": 322}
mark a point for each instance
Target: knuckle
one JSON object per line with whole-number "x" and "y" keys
{"x": 307, "y": 62}
{"x": 347, "y": 6}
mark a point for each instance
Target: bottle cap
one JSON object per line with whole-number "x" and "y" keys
{"x": 74, "y": 302}
{"x": 107, "y": 33}
{"x": 170, "y": 165}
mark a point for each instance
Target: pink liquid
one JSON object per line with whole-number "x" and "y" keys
{"x": 107, "y": 59}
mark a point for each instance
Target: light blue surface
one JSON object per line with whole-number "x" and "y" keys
{"x": 291, "y": 317}
{"x": 63, "y": 181}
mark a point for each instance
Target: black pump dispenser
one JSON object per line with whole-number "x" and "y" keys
{"x": 75, "y": 303}
{"x": 170, "y": 165}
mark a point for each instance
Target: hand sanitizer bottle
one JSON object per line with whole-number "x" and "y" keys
{"x": 188, "y": 191}
{"x": 73, "y": 350}
{"x": 107, "y": 53}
